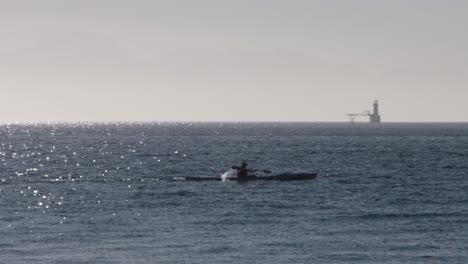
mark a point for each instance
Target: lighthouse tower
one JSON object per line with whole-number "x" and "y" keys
{"x": 374, "y": 118}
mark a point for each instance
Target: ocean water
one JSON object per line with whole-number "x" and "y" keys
{"x": 101, "y": 193}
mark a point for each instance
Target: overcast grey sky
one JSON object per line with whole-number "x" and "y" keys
{"x": 237, "y": 60}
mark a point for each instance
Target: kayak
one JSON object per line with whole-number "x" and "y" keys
{"x": 279, "y": 177}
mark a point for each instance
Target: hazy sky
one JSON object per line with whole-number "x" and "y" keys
{"x": 233, "y": 60}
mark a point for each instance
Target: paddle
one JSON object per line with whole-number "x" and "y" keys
{"x": 252, "y": 170}
{"x": 265, "y": 171}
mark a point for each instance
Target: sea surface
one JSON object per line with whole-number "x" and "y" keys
{"x": 102, "y": 193}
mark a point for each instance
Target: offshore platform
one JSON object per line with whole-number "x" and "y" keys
{"x": 374, "y": 117}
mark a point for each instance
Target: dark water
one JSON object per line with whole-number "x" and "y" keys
{"x": 96, "y": 193}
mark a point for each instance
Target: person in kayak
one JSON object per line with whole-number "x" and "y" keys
{"x": 243, "y": 172}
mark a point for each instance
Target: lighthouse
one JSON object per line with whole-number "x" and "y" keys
{"x": 374, "y": 118}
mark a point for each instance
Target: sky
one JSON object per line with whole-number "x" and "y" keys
{"x": 233, "y": 60}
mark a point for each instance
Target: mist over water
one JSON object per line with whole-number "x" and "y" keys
{"x": 99, "y": 193}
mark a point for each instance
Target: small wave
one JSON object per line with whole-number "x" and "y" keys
{"x": 180, "y": 193}
{"x": 405, "y": 215}
{"x": 343, "y": 181}
{"x": 411, "y": 247}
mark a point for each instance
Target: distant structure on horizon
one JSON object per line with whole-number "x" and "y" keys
{"x": 374, "y": 118}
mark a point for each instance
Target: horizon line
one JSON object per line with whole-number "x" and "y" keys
{"x": 229, "y": 121}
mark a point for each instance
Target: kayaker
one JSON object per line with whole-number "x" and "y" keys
{"x": 242, "y": 171}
